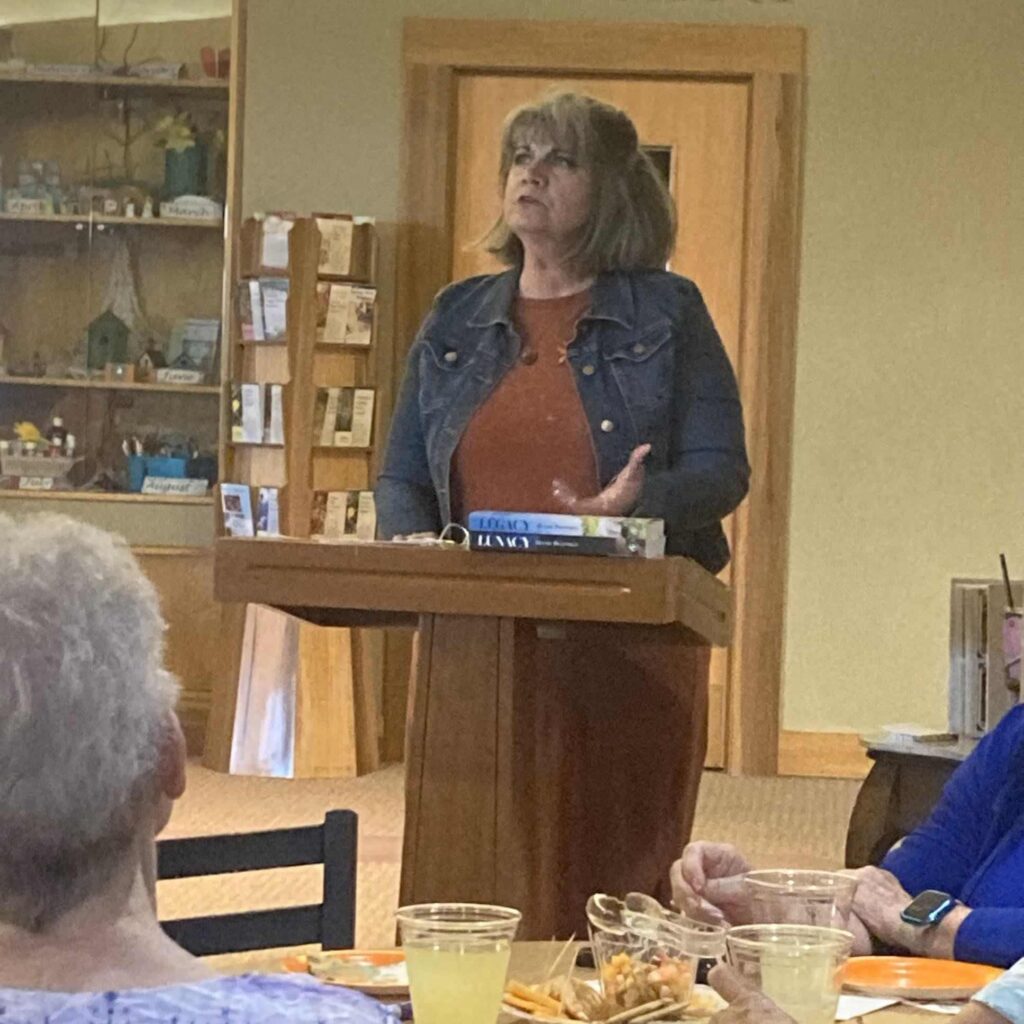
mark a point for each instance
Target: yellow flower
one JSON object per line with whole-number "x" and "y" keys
{"x": 174, "y": 132}
{"x": 27, "y": 432}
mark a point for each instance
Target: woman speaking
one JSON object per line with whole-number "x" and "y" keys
{"x": 585, "y": 379}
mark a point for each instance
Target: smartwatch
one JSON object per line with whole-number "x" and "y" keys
{"x": 928, "y": 908}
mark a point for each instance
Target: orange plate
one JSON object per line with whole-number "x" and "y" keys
{"x": 378, "y": 972}
{"x": 904, "y": 977}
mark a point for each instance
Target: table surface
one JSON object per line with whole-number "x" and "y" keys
{"x": 883, "y": 743}
{"x": 530, "y": 962}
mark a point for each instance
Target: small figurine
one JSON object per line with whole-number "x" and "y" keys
{"x": 148, "y": 363}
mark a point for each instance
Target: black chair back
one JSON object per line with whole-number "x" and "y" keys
{"x": 331, "y": 923}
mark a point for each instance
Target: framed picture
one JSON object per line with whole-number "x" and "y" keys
{"x": 194, "y": 345}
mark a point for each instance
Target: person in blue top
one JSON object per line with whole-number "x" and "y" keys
{"x": 971, "y": 848}
{"x": 91, "y": 761}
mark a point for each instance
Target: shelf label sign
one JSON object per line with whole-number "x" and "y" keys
{"x": 174, "y": 485}
{"x": 35, "y": 483}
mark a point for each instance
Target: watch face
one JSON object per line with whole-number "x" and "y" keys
{"x": 928, "y": 907}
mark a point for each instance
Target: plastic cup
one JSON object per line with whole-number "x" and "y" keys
{"x": 457, "y": 956}
{"x": 646, "y": 957}
{"x": 797, "y": 966}
{"x": 820, "y": 898}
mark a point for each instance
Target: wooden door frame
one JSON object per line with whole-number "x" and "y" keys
{"x": 772, "y": 60}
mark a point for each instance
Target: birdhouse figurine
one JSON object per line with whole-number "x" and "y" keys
{"x": 148, "y": 363}
{"x": 108, "y": 341}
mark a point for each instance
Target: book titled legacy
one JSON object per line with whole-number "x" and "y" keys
{"x": 343, "y": 417}
{"x": 542, "y": 533}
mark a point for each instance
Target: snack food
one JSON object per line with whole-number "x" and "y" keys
{"x": 567, "y": 999}
{"x": 631, "y": 982}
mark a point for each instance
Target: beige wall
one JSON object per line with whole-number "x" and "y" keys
{"x": 911, "y": 350}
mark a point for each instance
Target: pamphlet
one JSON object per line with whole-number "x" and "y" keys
{"x": 335, "y": 245}
{"x": 274, "y": 247}
{"x": 267, "y": 515}
{"x": 236, "y": 504}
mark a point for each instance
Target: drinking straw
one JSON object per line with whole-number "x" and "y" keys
{"x": 1006, "y": 583}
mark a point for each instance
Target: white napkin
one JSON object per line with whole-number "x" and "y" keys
{"x": 856, "y": 1006}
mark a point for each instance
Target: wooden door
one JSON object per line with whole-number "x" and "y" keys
{"x": 701, "y": 125}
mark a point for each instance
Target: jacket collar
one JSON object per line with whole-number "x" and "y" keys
{"x": 612, "y": 299}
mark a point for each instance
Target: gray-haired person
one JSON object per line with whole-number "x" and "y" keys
{"x": 91, "y": 760}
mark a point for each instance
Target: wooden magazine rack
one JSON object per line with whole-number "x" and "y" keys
{"x": 303, "y": 700}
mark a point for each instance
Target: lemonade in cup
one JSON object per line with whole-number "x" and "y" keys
{"x": 457, "y": 955}
{"x": 797, "y": 966}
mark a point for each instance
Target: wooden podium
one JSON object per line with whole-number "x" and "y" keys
{"x": 488, "y": 812}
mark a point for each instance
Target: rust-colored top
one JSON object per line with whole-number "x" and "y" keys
{"x": 532, "y": 430}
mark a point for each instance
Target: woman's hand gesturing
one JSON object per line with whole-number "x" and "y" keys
{"x": 619, "y": 498}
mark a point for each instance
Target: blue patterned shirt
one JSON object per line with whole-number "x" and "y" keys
{"x": 240, "y": 999}
{"x": 1005, "y": 995}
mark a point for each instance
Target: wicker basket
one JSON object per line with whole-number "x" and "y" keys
{"x": 54, "y": 466}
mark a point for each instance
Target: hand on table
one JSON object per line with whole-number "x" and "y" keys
{"x": 707, "y": 883}
{"x": 878, "y": 903}
{"x": 619, "y": 498}
{"x": 746, "y": 1004}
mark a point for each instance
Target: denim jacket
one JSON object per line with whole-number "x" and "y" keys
{"x": 649, "y": 367}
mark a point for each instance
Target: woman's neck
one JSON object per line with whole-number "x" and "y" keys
{"x": 545, "y": 276}
{"x": 112, "y": 941}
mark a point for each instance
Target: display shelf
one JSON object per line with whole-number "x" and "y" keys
{"x": 342, "y": 449}
{"x": 103, "y": 219}
{"x": 108, "y": 385}
{"x": 161, "y": 499}
{"x": 92, "y": 128}
{"x": 211, "y": 86}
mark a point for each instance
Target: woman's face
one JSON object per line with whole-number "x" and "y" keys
{"x": 547, "y": 193}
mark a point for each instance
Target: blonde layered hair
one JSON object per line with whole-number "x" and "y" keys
{"x": 632, "y": 223}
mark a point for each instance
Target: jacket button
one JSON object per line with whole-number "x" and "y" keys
{"x": 451, "y": 357}
{"x": 607, "y": 426}
{"x": 589, "y": 370}
{"x": 639, "y": 349}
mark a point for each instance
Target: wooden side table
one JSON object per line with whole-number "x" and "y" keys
{"x": 904, "y": 784}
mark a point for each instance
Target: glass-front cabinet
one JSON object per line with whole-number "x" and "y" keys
{"x": 114, "y": 141}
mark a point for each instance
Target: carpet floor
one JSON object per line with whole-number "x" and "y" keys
{"x": 776, "y": 821}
